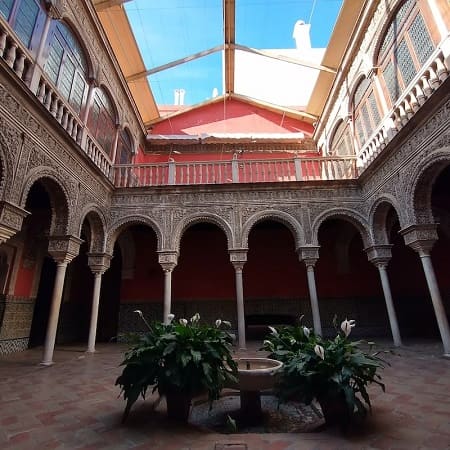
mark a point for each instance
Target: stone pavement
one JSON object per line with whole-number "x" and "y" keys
{"x": 74, "y": 405}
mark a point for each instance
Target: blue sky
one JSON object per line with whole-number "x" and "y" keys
{"x": 173, "y": 29}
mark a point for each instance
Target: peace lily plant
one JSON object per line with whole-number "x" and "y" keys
{"x": 179, "y": 360}
{"x": 335, "y": 372}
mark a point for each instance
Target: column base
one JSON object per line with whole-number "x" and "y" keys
{"x": 91, "y": 351}
{"x": 46, "y": 363}
{"x": 446, "y": 355}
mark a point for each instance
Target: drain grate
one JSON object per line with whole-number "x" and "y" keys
{"x": 231, "y": 446}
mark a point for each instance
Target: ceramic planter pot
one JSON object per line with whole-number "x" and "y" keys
{"x": 178, "y": 405}
{"x": 335, "y": 410}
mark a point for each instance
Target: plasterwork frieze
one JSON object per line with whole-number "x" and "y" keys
{"x": 399, "y": 172}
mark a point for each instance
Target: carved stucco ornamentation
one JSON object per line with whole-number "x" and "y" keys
{"x": 203, "y": 216}
{"x": 400, "y": 171}
{"x": 94, "y": 216}
{"x": 99, "y": 262}
{"x": 126, "y": 221}
{"x": 378, "y": 216}
{"x": 60, "y": 192}
{"x": 276, "y": 215}
{"x": 168, "y": 259}
{"x": 349, "y": 215}
{"x": 64, "y": 248}
{"x": 419, "y": 194}
{"x": 379, "y": 254}
{"x": 420, "y": 238}
{"x": 309, "y": 254}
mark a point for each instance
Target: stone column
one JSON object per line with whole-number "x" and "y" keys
{"x": 421, "y": 239}
{"x": 98, "y": 263}
{"x": 168, "y": 260}
{"x": 238, "y": 258}
{"x": 380, "y": 255}
{"x": 11, "y": 219}
{"x": 309, "y": 255}
{"x": 63, "y": 249}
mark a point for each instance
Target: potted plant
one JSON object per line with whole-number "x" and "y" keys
{"x": 335, "y": 372}
{"x": 180, "y": 360}
{"x": 286, "y": 340}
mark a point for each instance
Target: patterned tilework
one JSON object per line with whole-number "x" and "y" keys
{"x": 16, "y": 314}
{"x": 13, "y": 345}
{"x": 74, "y": 405}
{"x": 370, "y": 314}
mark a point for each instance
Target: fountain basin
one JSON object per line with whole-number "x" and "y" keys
{"x": 257, "y": 374}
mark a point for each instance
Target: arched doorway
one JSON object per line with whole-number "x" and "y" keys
{"x": 36, "y": 273}
{"x": 203, "y": 280}
{"x": 274, "y": 278}
{"x": 348, "y": 284}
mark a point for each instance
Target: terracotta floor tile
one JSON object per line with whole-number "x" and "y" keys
{"x": 74, "y": 405}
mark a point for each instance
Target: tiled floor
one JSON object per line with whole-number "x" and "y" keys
{"x": 74, "y": 405}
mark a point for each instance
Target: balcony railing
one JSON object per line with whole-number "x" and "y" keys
{"x": 235, "y": 171}
{"x": 19, "y": 59}
{"x": 426, "y": 81}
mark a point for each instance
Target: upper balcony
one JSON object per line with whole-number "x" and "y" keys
{"x": 425, "y": 83}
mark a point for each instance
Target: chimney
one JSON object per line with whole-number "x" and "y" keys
{"x": 215, "y": 92}
{"x": 182, "y": 92}
{"x": 176, "y": 95}
{"x": 301, "y": 35}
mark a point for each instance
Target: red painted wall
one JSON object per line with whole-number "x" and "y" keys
{"x": 233, "y": 116}
{"x": 273, "y": 269}
{"x": 24, "y": 280}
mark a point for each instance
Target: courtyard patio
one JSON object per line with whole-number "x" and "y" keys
{"x": 74, "y": 405}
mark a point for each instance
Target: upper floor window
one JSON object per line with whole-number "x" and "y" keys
{"x": 26, "y": 17}
{"x": 124, "y": 148}
{"x": 405, "y": 48}
{"x": 341, "y": 143}
{"x": 66, "y": 65}
{"x": 101, "y": 120}
{"x": 365, "y": 113}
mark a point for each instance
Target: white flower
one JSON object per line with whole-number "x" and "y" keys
{"x": 306, "y": 331}
{"x": 273, "y": 331}
{"x": 319, "y": 351}
{"x": 301, "y": 318}
{"x": 227, "y": 323}
{"x": 138, "y": 311}
{"x": 218, "y": 323}
{"x": 195, "y": 318}
{"x": 170, "y": 317}
{"x": 292, "y": 341}
{"x": 346, "y": 326}
{"x": 183, "y": 322}
{"x": 268, "y": 344}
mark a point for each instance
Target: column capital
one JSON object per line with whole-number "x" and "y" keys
{"x": 168, "y": 259}
{"x": 64, "y": 248}
{"x": 421, "y": 237}
{"x": 238, "y": 257}
{"x": 309, "y": 254}
{"x": 11, "y": 219}
{"x": 379, "y": 255}
{"x": 99, "y": 262}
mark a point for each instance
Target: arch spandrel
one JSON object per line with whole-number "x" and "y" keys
{"x": 277, "y": 216}
{"x": 60, "y": 194}
{"x": 117, "y": 227}
{"x": 193, "y": 219}
{"x": 97, "y": 223}
{"x": 378, "y": 218}
{"x": 423, "y": 177}
{"x": 352, "y": 216}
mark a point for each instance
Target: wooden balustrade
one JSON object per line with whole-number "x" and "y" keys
{"x": 235, "y": 171}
